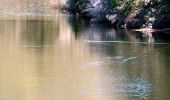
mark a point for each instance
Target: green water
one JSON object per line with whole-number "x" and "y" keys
{"x": 51, "y": 56}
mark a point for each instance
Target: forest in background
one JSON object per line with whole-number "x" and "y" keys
{"x": 123, "y": 13}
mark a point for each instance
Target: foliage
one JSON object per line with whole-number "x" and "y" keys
{"x": 124, "y": 6}
{"x": 114, "y": 3}
{"x": 77, "y": 5}
{"x": 132, "y": 11}
{"x": 74, "y": 3}
{"x": 165, "y": 1}
{"x": 128, "y": 6}
{"x": 164, "y": 9}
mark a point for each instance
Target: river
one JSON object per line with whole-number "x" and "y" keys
{"x": 46, "y": 55}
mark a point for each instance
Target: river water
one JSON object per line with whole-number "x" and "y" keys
{"x": 46, "y": 55}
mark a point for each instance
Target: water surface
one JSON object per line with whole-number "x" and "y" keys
{"x": 45, "y": 55}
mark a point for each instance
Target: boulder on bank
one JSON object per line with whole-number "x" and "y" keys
{"x": 116, "y": 20}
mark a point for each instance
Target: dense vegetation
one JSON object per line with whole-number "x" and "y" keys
{"x": 124, "y": 13}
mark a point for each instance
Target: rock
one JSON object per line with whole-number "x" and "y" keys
{"x": 66, "y": 9}
{"x": 113, "y": 18}
{"x": 117, "y": 20}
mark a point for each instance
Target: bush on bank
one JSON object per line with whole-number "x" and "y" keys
{"x": 123, "y": 13}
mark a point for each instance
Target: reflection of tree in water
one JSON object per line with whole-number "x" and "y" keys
{"x": 39, "y": 32}
{"x": 104, "y": 32}
{"x": 142, "y": 72}
{"x": 78, "y": 25}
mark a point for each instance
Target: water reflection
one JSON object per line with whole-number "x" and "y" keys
{"x": 133, "y": 53}
{"x": 53, "y": 59}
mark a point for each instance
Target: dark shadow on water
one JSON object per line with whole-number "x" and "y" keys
{"x": 105, "y": 32}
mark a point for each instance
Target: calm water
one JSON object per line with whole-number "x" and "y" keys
{"x": 45, "y": 55}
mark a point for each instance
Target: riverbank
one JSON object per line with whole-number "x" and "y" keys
{"x": 131, "y": 14}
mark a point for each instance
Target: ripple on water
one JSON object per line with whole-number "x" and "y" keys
{"x": 121, "y": 85}
{"x": 118, "y": 83}
{"x": 117, "y": 60}
{"x": 121, "y": 59}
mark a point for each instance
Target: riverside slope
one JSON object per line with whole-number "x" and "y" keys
{"x": 143, "y": 15}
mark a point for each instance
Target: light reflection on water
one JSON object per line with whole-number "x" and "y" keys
{"x": 49, "y": 59}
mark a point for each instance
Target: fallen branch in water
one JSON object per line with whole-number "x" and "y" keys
{"x": 124, "y": 42}
{"x": 148, "y": 30}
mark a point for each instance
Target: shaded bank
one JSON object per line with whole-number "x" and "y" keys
{"x": 123, "y": 14}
